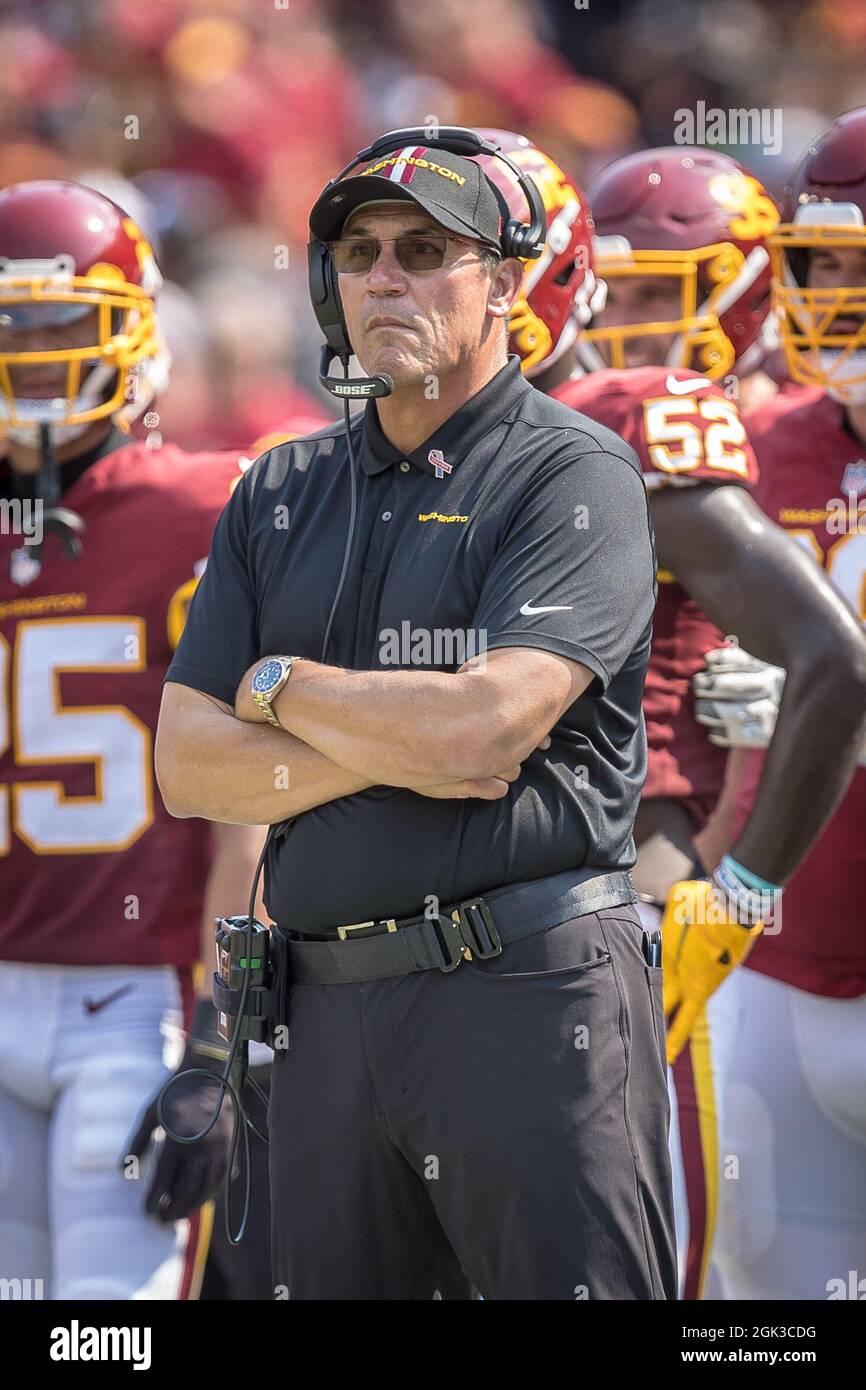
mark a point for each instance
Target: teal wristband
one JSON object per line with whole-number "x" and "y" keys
{"x": 747, "y": 878}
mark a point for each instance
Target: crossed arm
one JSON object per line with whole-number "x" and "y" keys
{"x": 458, "y": 735}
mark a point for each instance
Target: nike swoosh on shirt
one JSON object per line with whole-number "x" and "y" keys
{"x": 685, "y": 388}
{"x": 528, "y": 609}
{"x": 93, "y": 1006}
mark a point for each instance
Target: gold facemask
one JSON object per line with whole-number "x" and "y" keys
{"x": 701, "y": 342}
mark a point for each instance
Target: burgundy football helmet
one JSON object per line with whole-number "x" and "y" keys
{"x": 560, "y": 287}
{"x": 823, "y": 331}
{"x": 78, "y": 325}
{"x": 699, "y": 216}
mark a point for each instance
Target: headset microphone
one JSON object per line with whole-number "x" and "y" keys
{"x": 353, "y": 388}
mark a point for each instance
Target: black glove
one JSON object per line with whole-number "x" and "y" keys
{"x": 186, "y": 1175}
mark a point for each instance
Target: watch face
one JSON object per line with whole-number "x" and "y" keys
{"x": 265, "y": 679}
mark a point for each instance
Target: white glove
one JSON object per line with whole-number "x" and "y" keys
{"x": 737, "y": 698}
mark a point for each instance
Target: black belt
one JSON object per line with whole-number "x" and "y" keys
{"x": 478, "y": 927}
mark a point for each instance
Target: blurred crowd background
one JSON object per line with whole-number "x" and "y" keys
{"x": 217, "y": 122}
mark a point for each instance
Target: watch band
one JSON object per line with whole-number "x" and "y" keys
{"x": 264, "y": 704}
{"x": 264, "y": 699}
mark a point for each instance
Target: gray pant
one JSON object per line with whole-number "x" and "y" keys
{"x": 508, "y": 1121}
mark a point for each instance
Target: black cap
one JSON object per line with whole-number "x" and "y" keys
{"x": 453, "y": 190}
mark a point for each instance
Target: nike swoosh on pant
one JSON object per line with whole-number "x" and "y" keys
{"x": 93, "y": 1006}
{"x": 527, "y": 610}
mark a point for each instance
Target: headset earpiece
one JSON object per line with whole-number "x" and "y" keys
{"x": 325, "y": 296}
{"x": 519, "y": 240}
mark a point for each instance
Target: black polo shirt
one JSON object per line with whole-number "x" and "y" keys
{"x": 517, "y": 523}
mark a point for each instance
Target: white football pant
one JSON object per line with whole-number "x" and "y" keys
{"x": 73, "y": 1080}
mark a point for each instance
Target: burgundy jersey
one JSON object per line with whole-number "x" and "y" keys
{"x": 93, "y": 868}
{"x": 812, "y": 470}
{"x": 684, "y": 430}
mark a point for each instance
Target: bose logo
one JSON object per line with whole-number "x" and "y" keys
{"x": 354, "y": 390}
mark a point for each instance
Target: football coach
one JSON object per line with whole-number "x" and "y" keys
{"x": 475, "y": 1073}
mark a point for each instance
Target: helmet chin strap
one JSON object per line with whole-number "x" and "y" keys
{"x": 29, "y": 434}
{"x": 55, "y": 520}
{"x": 676, "y": 352}
{"x": 590, "y": 299}
{"x": 588, "y": 356}
{"x": 840, "y": 391}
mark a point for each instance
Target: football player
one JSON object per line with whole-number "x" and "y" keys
{"x": 103, "y": 537}
{"x": 690, "y": 229}
{"x": 793, "y": 1224}
{"x": 681, "y": 245}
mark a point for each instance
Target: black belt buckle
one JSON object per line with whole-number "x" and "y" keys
{"x": 477, "y": 928}
{"x": 447, "y": 941}
{"x": 469, "y": 931}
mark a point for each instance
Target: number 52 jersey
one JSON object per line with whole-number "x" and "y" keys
{"x": 93, "y": 870}
{"x": 685, "y": 431}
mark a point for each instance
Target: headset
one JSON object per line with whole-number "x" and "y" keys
{"x": 524, "y": 240}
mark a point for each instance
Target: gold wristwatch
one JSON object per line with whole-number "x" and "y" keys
{"x": 267, "y": 683}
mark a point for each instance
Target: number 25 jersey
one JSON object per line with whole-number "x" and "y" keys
{"x": 93, "y": 869}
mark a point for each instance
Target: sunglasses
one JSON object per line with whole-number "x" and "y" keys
{"x": 415, "y": 251}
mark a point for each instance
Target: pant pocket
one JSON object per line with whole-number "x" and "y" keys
{"x": 563, "y": 972}
{"x": 653, "y": 975}
{"x": 571, "y": 948}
